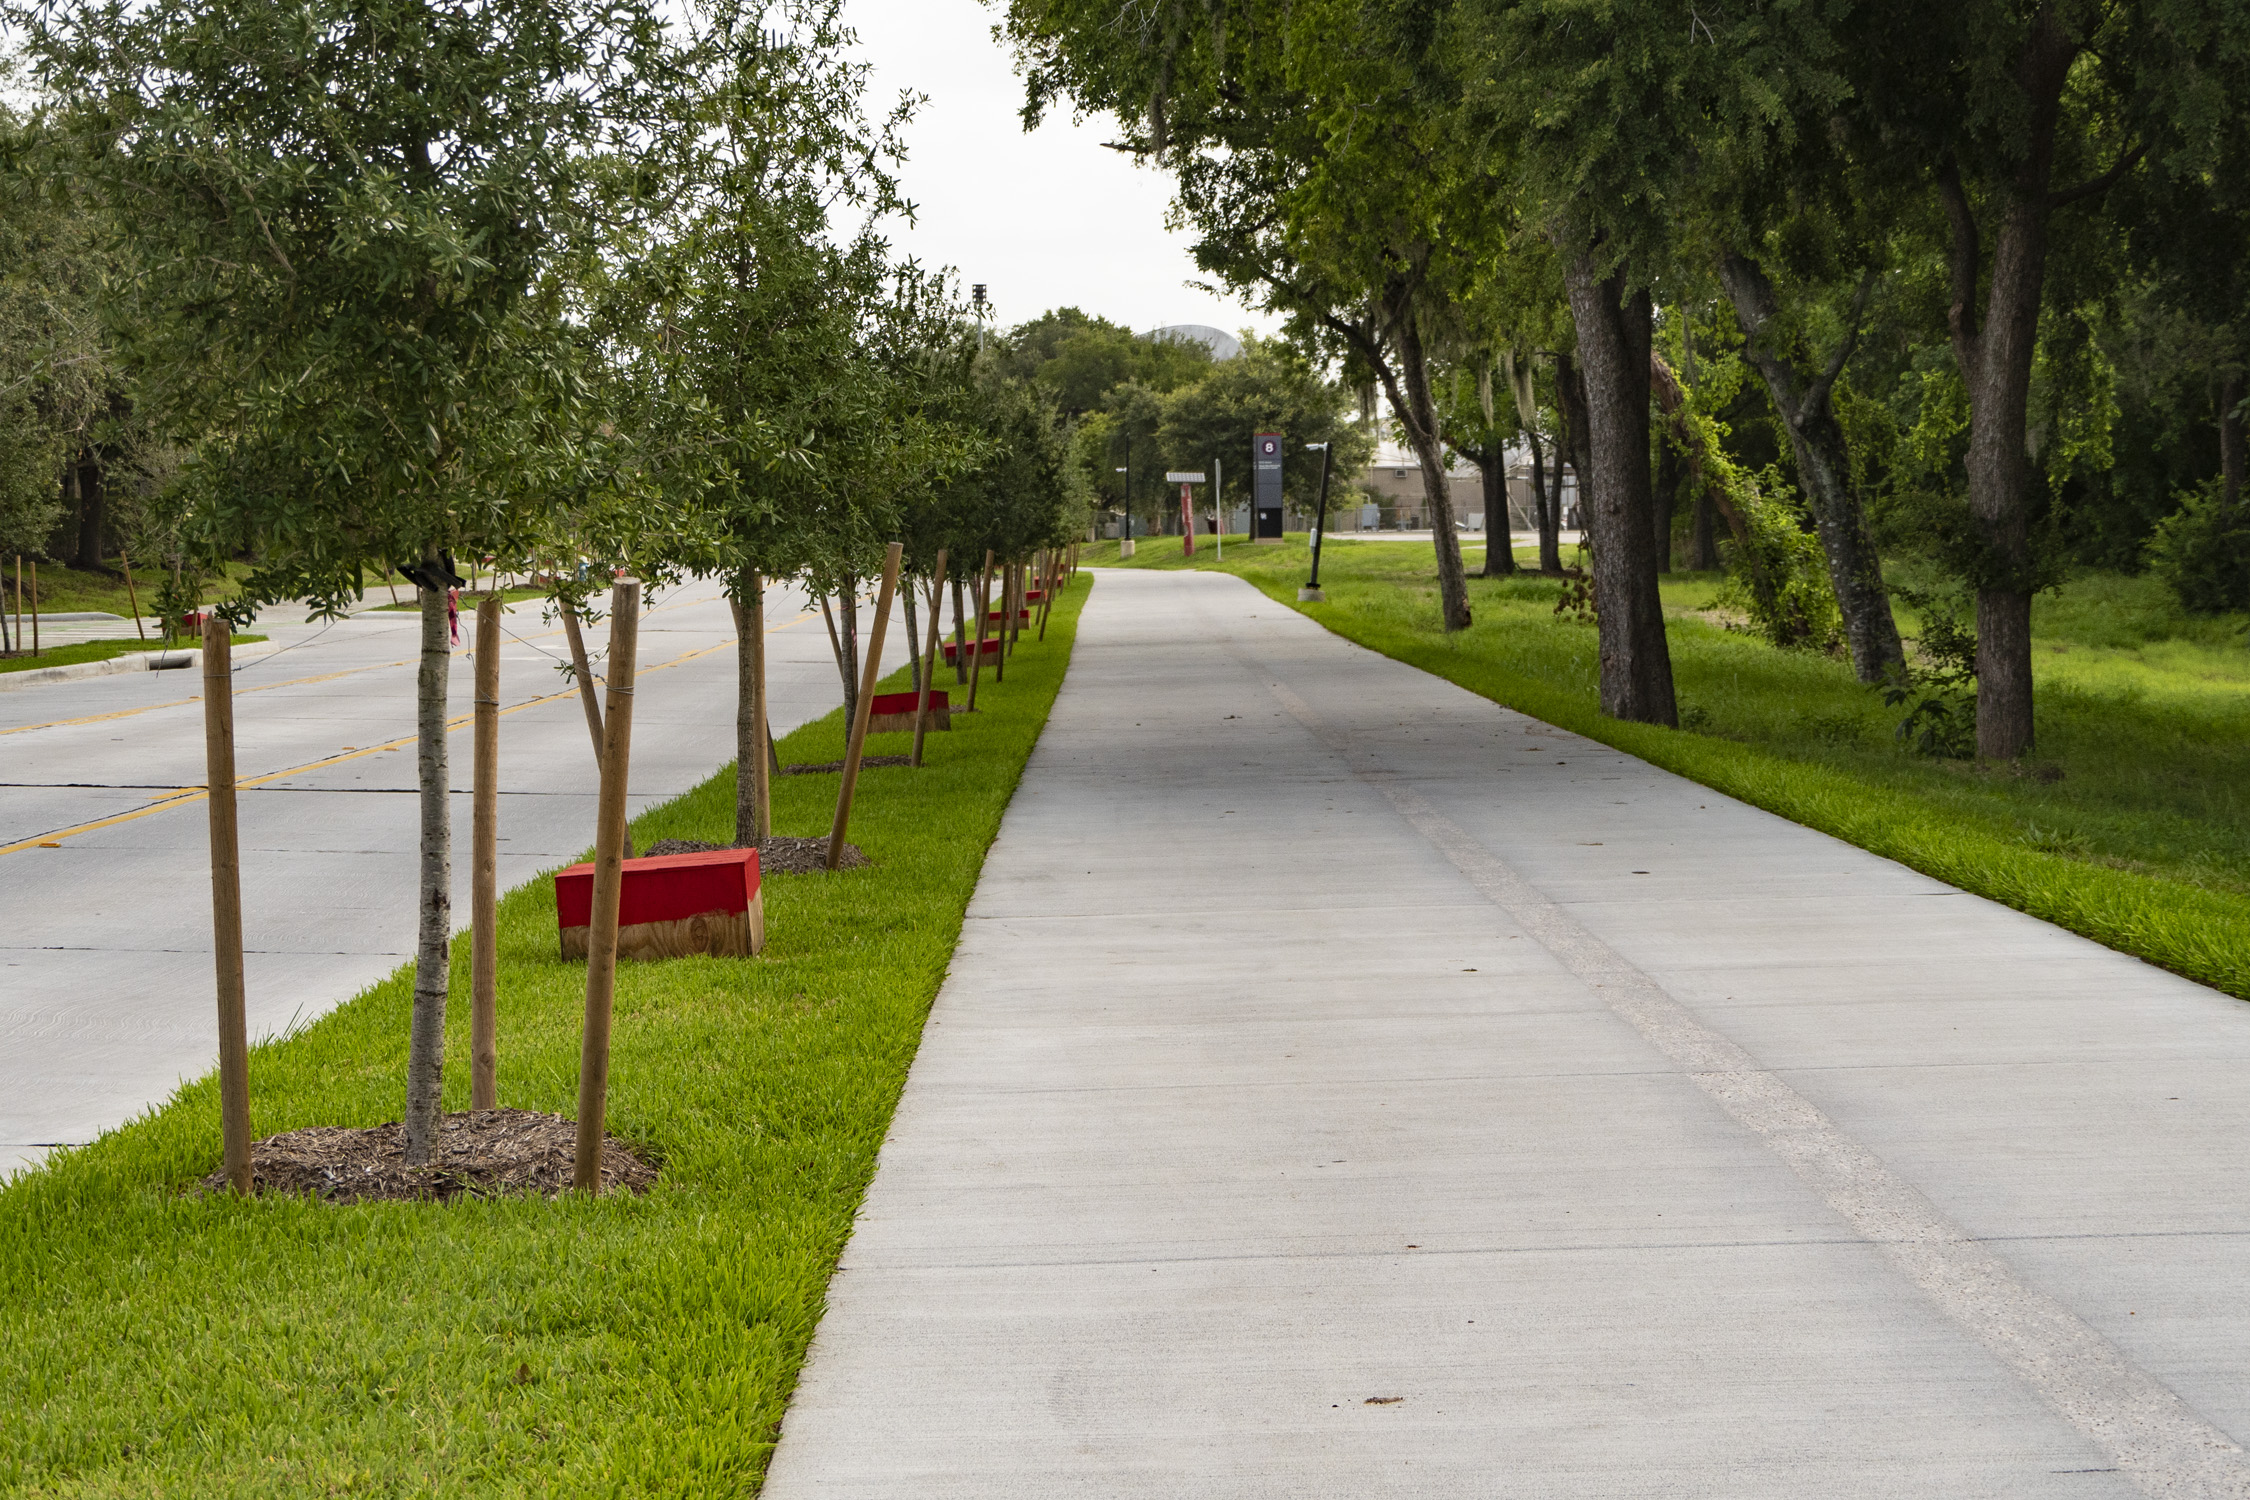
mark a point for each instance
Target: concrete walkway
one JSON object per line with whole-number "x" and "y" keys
{"x": 1348, "y": 1088}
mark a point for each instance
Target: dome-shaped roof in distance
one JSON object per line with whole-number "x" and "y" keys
{"x": 1223, "y": 345}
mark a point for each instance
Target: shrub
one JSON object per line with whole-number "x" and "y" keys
{"x": 1778, "y": 575}
{"x": 2202, "y": 551}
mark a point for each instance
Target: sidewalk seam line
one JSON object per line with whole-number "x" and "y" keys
{"x": 2142, "y": 1424}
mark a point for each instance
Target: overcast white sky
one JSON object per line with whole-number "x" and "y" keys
{"x": 1048, "y": 219}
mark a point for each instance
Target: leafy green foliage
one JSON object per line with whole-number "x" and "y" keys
{"x": 1079, "y": 360}
{"x": 1269, "y": 387}
{"x": 342, "y": 218}
{"x": 2202, "y": 551}
{"x": 1777, "y": 575}
{"x": 1938, "y": 688}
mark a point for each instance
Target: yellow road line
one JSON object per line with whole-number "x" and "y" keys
{"x": 267, "y": 687}
{"x": 188, "y": 795}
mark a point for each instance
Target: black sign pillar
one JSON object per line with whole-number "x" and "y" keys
{"x": 1265, "y": 473}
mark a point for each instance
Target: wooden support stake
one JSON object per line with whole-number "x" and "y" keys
{"x": 871, "y": 674}
{"x": 1012, "y": 620}
{"x": 484, "y": 868}
{"x": 35, "y": 608}
{"x": 584, "y": 672}
{"x": 922, "y": 699}
{"x": 226, "y": 900}
{"x": 960, "y": 635}
{"x": 609, "y": 881}
{"x": 132, "y": 596}
{"x": 976, "y": 662}
{"x": 582, "y": 669}
{"x": 1047, "y": 591}
{"x": 753, "y": 818}
{"x": 1000, "y": 637}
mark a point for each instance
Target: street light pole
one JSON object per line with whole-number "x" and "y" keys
{"x": 1310, "y": 593}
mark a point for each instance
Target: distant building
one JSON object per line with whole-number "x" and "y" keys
{"x": 1393, "y": 483}
{"x": 1223, "y": 345}
{"x": 1521, "y": 514}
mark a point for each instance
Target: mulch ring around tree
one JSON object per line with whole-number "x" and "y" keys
{"x": 778, "y": 855}
{"x": 490, "y": 1153}
{"x": 835, "y": 767}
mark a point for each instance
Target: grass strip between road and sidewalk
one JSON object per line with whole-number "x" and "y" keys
{"x": 79, "y": 652}
{"x": 2126, "y": 830}
{"x": 154, "y": 1340}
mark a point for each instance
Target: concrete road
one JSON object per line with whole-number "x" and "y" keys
{"x": 1346, "y": 1087}
{"x": 105, "y": 942}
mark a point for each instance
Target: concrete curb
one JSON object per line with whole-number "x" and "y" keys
{"x": 133, "y": 661}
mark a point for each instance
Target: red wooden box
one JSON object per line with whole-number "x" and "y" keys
{"x": 893, "y": 713}
{"x": 672, "y": 905}
{"x": 954, "y": 651}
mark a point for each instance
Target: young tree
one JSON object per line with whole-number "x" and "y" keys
{"x": 751, "y": 298}
{"x": 340, "y": 216}
{"x": 1269, "y": 387}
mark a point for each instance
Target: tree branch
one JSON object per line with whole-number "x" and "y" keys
{"x": 1817, "y": 397}
{"x": 1965, "y": 253}
{"x": 2095, "y": 186}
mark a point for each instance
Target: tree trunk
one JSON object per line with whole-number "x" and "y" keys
{"x": 984, "y": 595}
{"x": 1538, "y": 494}
{"x": 425, "y": 1057}
{"x": 1499, "y": 539}
{"x": 1615, "y": 332}
{"x": 1995, "y": 354}
{"x": 913, "y": 641}
{"x": 1703, "y": 541}
{"x": 960, "y": 634}
{"x": 1007, "y": 618}
{"x": 1550, "y": 519}
{"x": 1668, "y": 480}
{"x": 1577, "y": 438}
{"x": 1855, "y": 571}
{"x": 753, "y": 783}
{"x": 1545, "y": 508}
{"x": 91, "y": 516}
{"x": 1996, "y": 367}
{"x": 843, "y": 638}
{"x": 1408, "y": 387}
{"x": 2231, "y": 454}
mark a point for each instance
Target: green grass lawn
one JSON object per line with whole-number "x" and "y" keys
{"x": 2130, "y": 825}
{"x": 154, "y": 1341}
{"x": 65, "y": 590}
{"x": 84, "y": 651}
